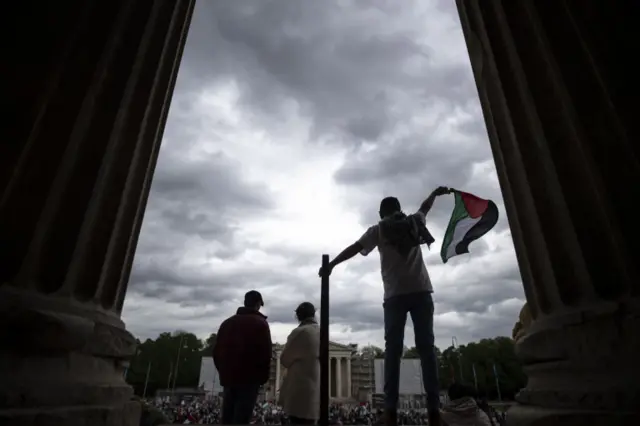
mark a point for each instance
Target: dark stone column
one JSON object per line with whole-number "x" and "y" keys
{"x": 88, "y": 87}
{"x": 554, "y": 79}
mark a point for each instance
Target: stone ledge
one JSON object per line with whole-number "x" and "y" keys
{"x": 127, "y": 414}
{"x": 523, "y": 415}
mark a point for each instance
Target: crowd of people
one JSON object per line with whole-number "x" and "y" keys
{"x": 209, "y": 412}
{"x": 243, "y": 350}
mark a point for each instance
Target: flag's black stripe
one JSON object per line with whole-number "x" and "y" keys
{"x": 486, "y": 222}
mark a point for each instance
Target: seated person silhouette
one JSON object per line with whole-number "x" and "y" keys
{"x": 462, "y": 408}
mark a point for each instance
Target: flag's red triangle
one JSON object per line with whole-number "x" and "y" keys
{"x": 475, "y": 206}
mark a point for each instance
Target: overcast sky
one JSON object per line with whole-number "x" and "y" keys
{"x": 290, "y": 121}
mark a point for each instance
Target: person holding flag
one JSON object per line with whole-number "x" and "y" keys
{"x": 407, "y": 290}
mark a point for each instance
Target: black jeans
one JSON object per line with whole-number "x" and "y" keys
{"x": 300, "y": 421}
{"x": 396, "y": 308}
{"x": 238, "y": 403}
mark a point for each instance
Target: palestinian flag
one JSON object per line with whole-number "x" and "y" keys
{"x": 472, "y": 217}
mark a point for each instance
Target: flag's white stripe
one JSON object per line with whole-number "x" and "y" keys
{"x": 462, "y": 227}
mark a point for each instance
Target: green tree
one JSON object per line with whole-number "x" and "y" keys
{"x": 184, "y": 350}
{"x": 209, "y": 343}
{"x": 372, "y": 350}
{"x": 170, "y": 353}
{"x": 474, "y": 364}
{"x": 412, "y": 352}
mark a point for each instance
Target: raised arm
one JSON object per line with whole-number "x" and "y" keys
{"x": 367, "y": 242}
{"x": 428, "y": 203}
{"x": 344, "y": 255}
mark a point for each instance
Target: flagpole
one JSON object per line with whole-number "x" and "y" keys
{"x": 456, "y": 348}
{"x": 475, "y": 377}
{"x": 175, "y": 375}
{"x": 495, "y": 373}
{"x": 146, "y": 381}
{"x": 370, "y": 368}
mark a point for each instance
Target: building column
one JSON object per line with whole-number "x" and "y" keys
{"x": 339, "y": 377}
{"x": 89, "y": 100}
{"x": 349, "y": 387}
{"x": 553, "y": 93}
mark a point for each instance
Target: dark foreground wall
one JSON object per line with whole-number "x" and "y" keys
{"x": 556, "y": 81}
{"x": 86, "y": 91}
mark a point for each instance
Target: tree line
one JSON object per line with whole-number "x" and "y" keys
{"x": 476, "y": 364}
{"x": 174, "y": 359}
{"x": 171, "y": 360}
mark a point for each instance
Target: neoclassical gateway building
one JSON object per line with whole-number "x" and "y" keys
{"x": 352, "y": 375}
{"x": 340, "y": 381}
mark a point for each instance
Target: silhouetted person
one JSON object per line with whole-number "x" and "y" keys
{"x": 300, "y": 391}
{"x": 242, "y": 355}
{"x": 407, "y": 289}
{"x": 463, "y": 409}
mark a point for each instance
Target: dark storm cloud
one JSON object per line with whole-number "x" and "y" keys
{"x": 475, "y": 292}
{"x": 344, "y": 75}
{"x": 175, "y": 283}
{"x": 206, "y": 196}
{"x": 411, "y": 169}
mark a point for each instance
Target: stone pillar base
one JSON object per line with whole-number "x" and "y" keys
{"x": 62, "y": 363}
{"x": 522, "y": 415}
{"x": 582, "y": 368}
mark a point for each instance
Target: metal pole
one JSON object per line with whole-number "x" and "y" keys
{"x": 372, "y": 375}
{"x": 475, "y": 377}
{"x": 324, "y": 344}
{"x": 454, "y": 343}
{"x": 175, "y": 376}
{"x": 495, "y": 373}
{"x": 146, "y": 381}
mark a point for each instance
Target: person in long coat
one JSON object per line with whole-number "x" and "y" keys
{"x": 300, "y": 391}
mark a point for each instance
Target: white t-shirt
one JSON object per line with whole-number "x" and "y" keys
{"x": 400, "y": 275}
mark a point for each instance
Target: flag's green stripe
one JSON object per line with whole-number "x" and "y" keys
{"x": 459, "y": 212}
